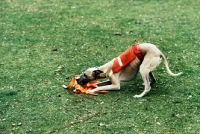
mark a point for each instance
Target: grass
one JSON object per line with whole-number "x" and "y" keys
{"x": 45, "y": 43}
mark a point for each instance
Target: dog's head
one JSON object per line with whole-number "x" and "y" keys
{"x": 89, "y": 75}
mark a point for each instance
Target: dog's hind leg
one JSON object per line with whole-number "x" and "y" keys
{"x": 147, "y": 87}
{"x": 149, "y": 63}
{"x": 153, "y": 80}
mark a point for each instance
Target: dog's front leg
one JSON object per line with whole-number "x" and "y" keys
{"x": 113, "y": 84}
{"x": 104, "y": 83}
{"x": 104, "y": 88}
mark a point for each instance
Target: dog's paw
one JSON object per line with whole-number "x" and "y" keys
{"x": 103, "y": 91}
{"x": 64, "y": 86}
{"x": 91, "y": 92}
{"x": 137, "y": 96}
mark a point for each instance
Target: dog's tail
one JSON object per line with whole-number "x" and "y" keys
{"x": 167, "y": 66}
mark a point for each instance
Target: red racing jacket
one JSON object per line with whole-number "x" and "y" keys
{"x": 126, "y": 57}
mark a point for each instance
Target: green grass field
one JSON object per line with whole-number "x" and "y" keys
{"x": 44, "y": 43}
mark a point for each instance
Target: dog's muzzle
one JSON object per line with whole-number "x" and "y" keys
{"x": 82, "y": 80}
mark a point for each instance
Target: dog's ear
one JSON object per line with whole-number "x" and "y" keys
{"x": 96, "y": 72}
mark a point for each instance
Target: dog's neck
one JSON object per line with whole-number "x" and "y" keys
{"x": 102, "y": 75}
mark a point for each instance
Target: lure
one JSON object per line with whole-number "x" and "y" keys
{"x": 82, "y": 88}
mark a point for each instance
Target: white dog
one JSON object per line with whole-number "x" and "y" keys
{"x": 143, "y": 57}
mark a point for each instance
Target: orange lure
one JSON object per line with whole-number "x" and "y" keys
{"x": 81, "y": 88}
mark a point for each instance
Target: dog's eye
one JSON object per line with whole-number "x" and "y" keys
{"x": 85, "y": 75}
